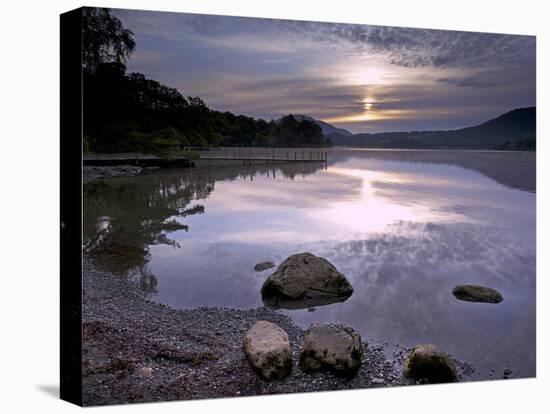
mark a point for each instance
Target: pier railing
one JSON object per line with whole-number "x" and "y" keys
{"x": 266, "y": 154}
{"x": 186, "y": 158}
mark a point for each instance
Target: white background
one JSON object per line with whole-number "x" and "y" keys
{"x": 29, "y": 159}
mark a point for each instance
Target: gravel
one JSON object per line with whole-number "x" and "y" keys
{"x": 135, "y": 350}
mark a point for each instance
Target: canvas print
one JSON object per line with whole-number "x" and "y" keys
{"x": 277, "y": 206}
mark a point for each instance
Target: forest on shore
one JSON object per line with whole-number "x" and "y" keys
{"x": 128, "y": 112}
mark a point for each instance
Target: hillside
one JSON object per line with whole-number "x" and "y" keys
{"x": 514, "y": 130}
{"x": 326, "y": 128}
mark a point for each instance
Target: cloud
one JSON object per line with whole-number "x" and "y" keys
{"x": 410, "y": 78}
{"x": 410, "y": 47}
{"x": 491, "y": 78}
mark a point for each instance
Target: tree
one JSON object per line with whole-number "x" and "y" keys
{"x": 104, "y": 39}
{"x": 128, "y": 112}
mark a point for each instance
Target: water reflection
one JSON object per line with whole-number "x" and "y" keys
{"x": 135, "y": 215}
{"x": 305, "y": 303}
{"x": 512, "y": 169}
{"x": 405, "y": 227}
{"x": 125, "y": 217}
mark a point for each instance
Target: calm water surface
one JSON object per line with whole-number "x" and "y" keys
{"x": 405, "y": 227}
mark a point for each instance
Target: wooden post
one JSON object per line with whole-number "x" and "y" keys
{"x": 303, "y": 155}
{"x": 294, "y": 155}
{"x": 310, "y": 158}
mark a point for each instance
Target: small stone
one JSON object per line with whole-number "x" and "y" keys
{"x": 260, "y": 267}
{"x": 147, "y": 372}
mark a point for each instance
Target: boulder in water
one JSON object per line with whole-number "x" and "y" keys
{"x": 474, "y": 293}
{"x": 306, "y": 280}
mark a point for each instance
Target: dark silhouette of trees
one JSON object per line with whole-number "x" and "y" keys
{"x": 289, "y": 132}
{"x": 104, "y": 39}
{"x": 132, "y": 113}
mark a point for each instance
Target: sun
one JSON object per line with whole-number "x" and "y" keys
{"x": 368, "y": 104}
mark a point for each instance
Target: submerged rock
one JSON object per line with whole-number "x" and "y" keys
{"x": 260, "y": 267}
{"x": 429, "y": 364}
{"x": 268, "y": 350}
{"x": 473, "y": 293}
{"x": 304, "y": 280}
{"x": 331, "y": 346}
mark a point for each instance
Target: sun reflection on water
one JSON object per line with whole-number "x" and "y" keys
{"x": 371, "y": 210}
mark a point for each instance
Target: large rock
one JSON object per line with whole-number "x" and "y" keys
{"x": 427, "y": 363}
{"x": 473, "y": 293}
{"x": 304, "y": 280}
{"x": 331, "y": 346}
{"x": 268, "y": 350}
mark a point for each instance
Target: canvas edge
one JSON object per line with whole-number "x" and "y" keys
{"x": 71, "y": 206}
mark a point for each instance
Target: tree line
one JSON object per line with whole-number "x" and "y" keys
{"x": 128, "y": 112}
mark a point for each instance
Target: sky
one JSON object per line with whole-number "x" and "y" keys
{"x": 363, "y": 78}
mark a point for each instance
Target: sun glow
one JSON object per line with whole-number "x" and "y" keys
{"x": 368, "y": 103}
{"x": 370, "y": 76}
{"x": 371, "y": 212}
{"x": 372, "y": 114}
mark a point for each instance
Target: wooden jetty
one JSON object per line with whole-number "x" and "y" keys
{"x": 246, "y": 155}
{"x": 270, "y": 155}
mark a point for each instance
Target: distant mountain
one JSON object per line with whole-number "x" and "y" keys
{"x": 328, "y": 129}
{"x": 514, "y": 130}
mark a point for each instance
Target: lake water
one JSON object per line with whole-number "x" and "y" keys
{"x": 405, "y": 227}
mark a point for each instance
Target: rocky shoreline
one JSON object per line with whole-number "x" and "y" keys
{"x": 91, "y": 173}
{"x": 135, "y": 350}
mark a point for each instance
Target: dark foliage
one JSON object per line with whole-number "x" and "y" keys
{"x": 104, "y": 39}
{"x": 131, "y": 113}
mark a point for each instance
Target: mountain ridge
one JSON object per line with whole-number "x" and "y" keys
{"x": 512, "y": 130}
